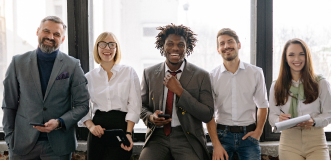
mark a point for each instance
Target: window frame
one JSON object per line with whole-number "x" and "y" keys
{"x": 78, "y": 45}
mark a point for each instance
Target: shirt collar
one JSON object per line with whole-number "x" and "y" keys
{"x": 115, "y": 68}
{"x": 180, "y": 68}
{"x": 241, "y": 66}
{"x": 296, "y": 83}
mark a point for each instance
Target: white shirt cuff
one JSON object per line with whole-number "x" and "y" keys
{"x": 132, "y": 117}
{"x": 81, "y": 122}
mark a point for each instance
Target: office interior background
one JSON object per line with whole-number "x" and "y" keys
{"x": 263, "y": 27}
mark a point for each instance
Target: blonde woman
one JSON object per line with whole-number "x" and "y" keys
{"x": 114, "y": 91}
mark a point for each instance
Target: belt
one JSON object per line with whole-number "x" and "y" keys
{"x": 237, "y": 129}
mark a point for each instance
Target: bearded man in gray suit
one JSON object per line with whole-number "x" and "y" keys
{"x": 181, "y": 90}
{"x": 44, "y": 86}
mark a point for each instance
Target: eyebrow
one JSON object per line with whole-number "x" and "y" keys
{"x": 294, "y": 53}
{"x": 45, "y": 29}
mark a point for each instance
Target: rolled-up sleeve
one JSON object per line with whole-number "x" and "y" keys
{"x": 324, "y": 119}
{"x": 134, "y": 100}
{"x": 260, "y": 95}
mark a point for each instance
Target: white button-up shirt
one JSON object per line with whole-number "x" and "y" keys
{"x": 121, "y": 92}
{"x": 175, "y": 121}
{"x": 237, "y": 95}
{"x": 319, "y": 110}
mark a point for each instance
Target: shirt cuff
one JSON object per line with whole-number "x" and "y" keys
{"x": 81, "y": 122}
{"x": 320, "y": 122}
{"x": 132, "y": 117}
{"x": 265, "y": 104}
{"x": 62, "y": 123}
{"x": 276, "y": 120}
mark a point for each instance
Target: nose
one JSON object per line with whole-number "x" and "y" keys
{"x": 50, "y": 36}
{"x": 175, "y": 47}
{"x": 227, "y": 45}
{"x": 107, "y": 47}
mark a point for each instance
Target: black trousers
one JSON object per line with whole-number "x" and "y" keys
{"x": 96, "y": 149}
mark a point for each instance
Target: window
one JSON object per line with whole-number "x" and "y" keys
{"x": 18, "y": 26}
{"x": 134, "y": 24}
{"x": 305, "y": 20}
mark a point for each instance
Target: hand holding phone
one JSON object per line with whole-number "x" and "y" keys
{"x": 166, "y": 116}
{"x": 37, "y": 124}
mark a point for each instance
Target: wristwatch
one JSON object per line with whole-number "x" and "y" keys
{"x": 60, "y": 124}
{"x": 314, "y": 123}
{"x": 128, "y": 133}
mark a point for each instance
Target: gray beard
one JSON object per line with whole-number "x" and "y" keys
{"x": 47, "y": 49}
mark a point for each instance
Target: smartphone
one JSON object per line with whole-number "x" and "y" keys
{"x": 37, "y": 124}
{"x": 166, "y": 116}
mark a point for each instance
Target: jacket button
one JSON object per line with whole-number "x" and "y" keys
{"x": 44, "y": 108}
{"x": 188, "y": 132}
{"x": 183, "y": 113}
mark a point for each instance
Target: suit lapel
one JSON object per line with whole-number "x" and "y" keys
{"x": 158, "y": 86}
{"x": 186, "y": 76}
{"x": 34, "y": 72}
{"x": 55, "y": 72}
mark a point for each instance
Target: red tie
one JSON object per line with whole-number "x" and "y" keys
{"x": 168, "y": 110}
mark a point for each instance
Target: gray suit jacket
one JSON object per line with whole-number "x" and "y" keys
{"x": 23, "y": 102}
{"x": 196, "y": 100}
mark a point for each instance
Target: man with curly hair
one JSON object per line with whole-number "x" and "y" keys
{"x": 176, "y": 99}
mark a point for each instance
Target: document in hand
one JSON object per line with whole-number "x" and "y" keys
{"x": 279, "y": 126}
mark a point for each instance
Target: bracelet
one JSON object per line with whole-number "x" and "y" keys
{"x": 128, "y": 133}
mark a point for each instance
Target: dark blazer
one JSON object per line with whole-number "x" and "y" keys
{"x": 66, "y": 97}
{"x": 193, "y": 107}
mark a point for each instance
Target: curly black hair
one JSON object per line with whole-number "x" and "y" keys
{"x": 181, "y": 30}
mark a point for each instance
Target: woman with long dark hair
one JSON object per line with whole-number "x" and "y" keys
{"x": 296, "y": 92}
{"x": 114, "y": 91}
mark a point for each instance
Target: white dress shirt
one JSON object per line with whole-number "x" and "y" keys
{"x": 237, "y": 95}
{"x": 319, "y": 110}
{"x": 121, "y": 92}
{"x": 175, "y": 121}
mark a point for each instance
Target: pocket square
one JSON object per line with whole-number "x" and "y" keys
{"x": 63, "y": 75}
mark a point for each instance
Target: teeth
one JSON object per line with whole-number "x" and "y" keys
{"x": 297, "y": 64}
{"x": 48, "y": 41}
{"x": 227, "y": 51}
{"x": 174, "y": 54}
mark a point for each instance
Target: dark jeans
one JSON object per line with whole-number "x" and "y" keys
{"x": 96, "y": 148}
{"x": 248, "y": 149}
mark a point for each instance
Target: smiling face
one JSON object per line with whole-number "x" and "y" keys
{"x": 50, "y": 36}
{"x": 107, "y": 54}
{"x": 228, "y": 47}
{"x": 295, "y": 57}
{"x": 174, "y": 49}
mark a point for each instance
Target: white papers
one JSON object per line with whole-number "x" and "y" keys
{"x": 279, "y": 126}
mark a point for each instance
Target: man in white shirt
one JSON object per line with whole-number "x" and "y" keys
{"x": 238, "y": 87}
{"x": 182, "y": 91}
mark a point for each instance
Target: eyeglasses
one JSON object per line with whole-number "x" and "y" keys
{"x": 103, "y": 45}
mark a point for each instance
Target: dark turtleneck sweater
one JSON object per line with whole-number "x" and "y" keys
{"x": 45, "y": 66}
